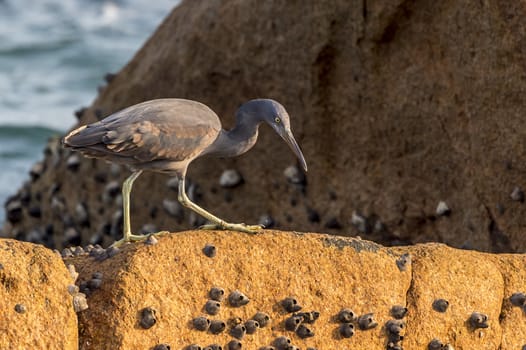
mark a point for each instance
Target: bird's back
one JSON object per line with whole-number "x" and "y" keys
{"x": 149, "y": 134}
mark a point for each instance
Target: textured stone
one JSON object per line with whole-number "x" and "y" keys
{"x": 470, "y": 281}
{"x": 174, "y": 278}
{"x": 512, "y": 319}
{"x": 134, "y": 305}
{"x": 37, "y": 310}
{"x": 321, "y": 272}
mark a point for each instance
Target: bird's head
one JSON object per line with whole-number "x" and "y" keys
{"x": 275, "y": 115}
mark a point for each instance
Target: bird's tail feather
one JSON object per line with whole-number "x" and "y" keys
{"x": 84, "y": 136}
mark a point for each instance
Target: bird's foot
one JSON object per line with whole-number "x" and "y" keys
{"x": 233, "y": 227}
{"x": 129, "y": 238}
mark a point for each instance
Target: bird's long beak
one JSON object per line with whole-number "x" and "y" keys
{"x": 289, "y": 139}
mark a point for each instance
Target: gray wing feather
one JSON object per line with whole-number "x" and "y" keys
{"x": 166, "y": 129}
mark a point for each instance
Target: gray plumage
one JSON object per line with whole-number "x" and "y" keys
{"x": 166, "y": 135}
{"x": 159, "y": 135}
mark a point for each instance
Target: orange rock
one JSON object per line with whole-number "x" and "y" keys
{"x": 146, "y": 295}
{"x": 174, "y": 277}
{"x": 322, "y": 273}
{"x": 470, "y": 281}
{"x": 512, "y": 318}
{"x": 37, "y": 311}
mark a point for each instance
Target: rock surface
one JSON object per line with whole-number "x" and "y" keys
{"x": 437, "y": 272}
{"x": 37, "y": 310}
{"x": 323, "y": 273}
{"x": 398, "y": 105}
{"x": 145, "y": 295}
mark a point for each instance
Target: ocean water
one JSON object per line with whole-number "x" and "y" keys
{"x": 53, "y": 56}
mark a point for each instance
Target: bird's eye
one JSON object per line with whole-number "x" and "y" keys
{"x": 277, "y": 120}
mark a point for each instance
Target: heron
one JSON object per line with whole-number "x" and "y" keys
{"x": 166, "y": 135}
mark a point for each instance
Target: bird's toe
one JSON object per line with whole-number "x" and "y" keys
{"x": 136, "y": 238}
{"x": 210, "y": 227}
{"x": 241, "y": 227}
{"x": 252, "y": 228}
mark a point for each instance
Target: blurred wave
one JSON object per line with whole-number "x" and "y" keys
{"x": 24, "y": 142}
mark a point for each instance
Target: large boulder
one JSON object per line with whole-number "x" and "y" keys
{"x": 399, "y": 106}
{"x": 150, "y": 294}
{"x": 37, "y": 309}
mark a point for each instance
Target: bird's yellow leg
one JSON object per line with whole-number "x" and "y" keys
{"x": 126, "y": 190}
{"x": 217, "y": 223}
{"x": 128, "y": 236}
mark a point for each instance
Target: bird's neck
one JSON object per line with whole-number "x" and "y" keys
{"x": 238, "y": 140}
